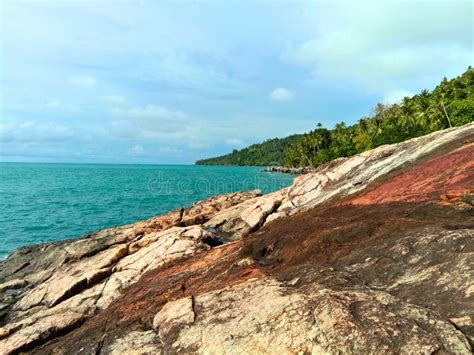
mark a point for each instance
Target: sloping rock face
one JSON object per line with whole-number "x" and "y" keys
{"x": 369, "y": 254}
{"x": 50, "y": 288}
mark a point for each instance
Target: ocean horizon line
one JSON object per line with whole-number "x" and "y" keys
{"x": 147, "y": 164}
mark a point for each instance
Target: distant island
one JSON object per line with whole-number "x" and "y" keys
{"x": 450, "y": 104}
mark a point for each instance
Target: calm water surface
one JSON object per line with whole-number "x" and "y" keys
{"x": 47, "y": 202}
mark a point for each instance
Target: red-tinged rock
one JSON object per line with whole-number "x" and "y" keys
{"x": 367, "y": 254}
{"x": 443, "y": 179}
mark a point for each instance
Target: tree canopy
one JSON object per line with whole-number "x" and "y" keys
{"x": 450, "y": 104}
{"x": 267, "y": 153}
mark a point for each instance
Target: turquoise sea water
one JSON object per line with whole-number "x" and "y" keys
{"x": 47, "y": 202}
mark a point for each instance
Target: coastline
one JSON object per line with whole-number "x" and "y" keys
{"x": 231, "y": 240}
{"x": 80, "y": 199}
{"x": 294, "y": 171}
{"x": 289, "y": 170}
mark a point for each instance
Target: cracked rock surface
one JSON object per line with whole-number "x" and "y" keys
{"x": 266, "y": 315}
{"x": 368, "y": 254}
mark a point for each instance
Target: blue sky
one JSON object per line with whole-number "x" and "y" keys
{"x": 172, "y": 82}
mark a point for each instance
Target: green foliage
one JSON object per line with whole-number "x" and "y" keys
{"x": 266, "y": 153}
{"x": 451, "y": 103}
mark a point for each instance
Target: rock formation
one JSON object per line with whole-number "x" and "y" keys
{"x": 288, "y": 170}
{"x": 368, "y": 254}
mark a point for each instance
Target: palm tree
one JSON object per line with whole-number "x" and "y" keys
{"x": 422, "y": 105}
{"x": 407, "y": 113}
{"x": 444, "y": 109}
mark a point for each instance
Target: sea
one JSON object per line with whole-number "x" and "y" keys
{"x": 48, "y": 202}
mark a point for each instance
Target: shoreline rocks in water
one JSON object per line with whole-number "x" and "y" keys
{"x": 371, "y": 253}
{"x": 288, "y": 170}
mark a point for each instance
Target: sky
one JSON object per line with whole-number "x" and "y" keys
{"x": 170, "y": 82}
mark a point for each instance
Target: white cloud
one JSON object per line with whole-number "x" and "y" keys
{"x": 282, "y": 94}
{"x": 87, "y": 81}
{"x": 54, "y": 103}
{"x": 137, "y": 151}
{"x": 396, "y": 96}
{"x": 60, "y": 105}
{"x": 153, "y": 122}
{"x": 123, "y": 129}
{"x": 33, "y": 132}
{"x": 150, "y": 112}
{"x": 114, "y": 99}
{"x": 234, "y": 142}
{"x": 197, "y": 143}
{"x": 210, "y": 69}
{"x": 171, "y": 151}
{"x": 388, "y": 43}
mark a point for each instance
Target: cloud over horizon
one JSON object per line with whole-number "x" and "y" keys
{"x": 83, "y": 81}
{"x": 282, "y": 94}
{"x": 159, "y": 82}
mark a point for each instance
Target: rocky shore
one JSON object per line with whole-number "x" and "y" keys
{"x": 368, "y": 254}
{"x": 289, "y": 170}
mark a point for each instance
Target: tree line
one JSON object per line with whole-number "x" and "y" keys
{"x": 450, "y": 104}
{"x": 261, "y": 154}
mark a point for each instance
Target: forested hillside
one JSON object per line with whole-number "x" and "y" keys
{"x": 266, "y": 153}
{"x": 451, "y": 103}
